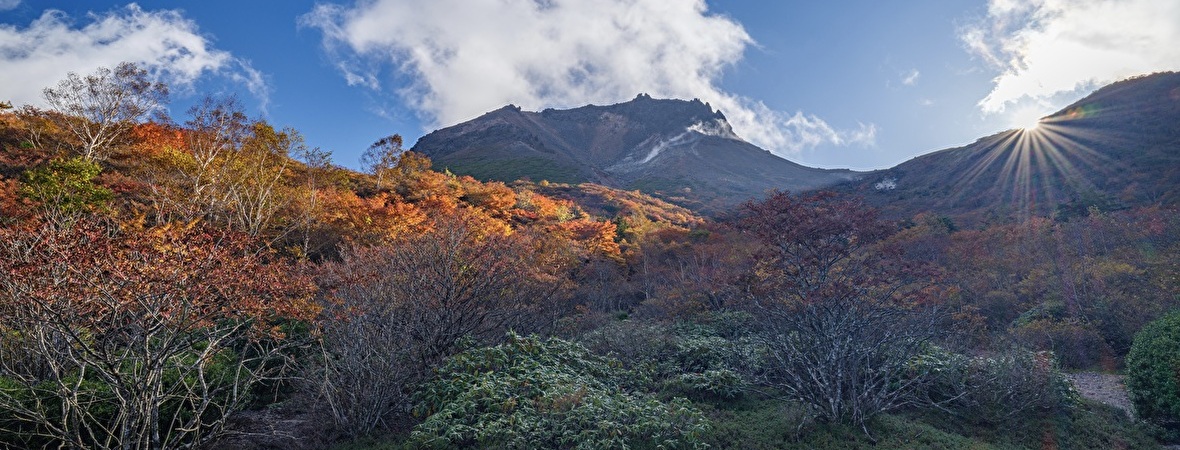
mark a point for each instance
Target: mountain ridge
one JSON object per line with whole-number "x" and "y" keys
{"x": 1117, "y": 147}
{"x": 682, "y": 150}
{"x": 1114, "y": 148}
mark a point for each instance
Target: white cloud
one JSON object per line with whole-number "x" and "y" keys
{"x": 910, "y": 78}
{"x": 6, "y": 5}
{"x": 463, "y": 58}
{"x": 167, "y": 44}
{"x": 1043, "y": 48}
{"x": 806, "y": 130}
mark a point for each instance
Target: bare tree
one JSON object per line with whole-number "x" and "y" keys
{"x": 317, "y": 164}
{"x": 843, "y": 314}
{"x": 397, "y": 311}
{"x": 136, "y": 339}
{"x": 215, "y": 132}
{"x": 382, "y": 156}
{"x": 100, "y": 108}
{"x": 230, "y": 170}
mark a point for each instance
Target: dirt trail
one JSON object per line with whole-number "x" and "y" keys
{"x": 1103, "y": 387}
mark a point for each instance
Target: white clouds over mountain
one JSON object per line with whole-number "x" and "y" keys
{"x": 165, "y": 42}
{"x": 455, "y": 59}
{"x": 1046, "y": 47}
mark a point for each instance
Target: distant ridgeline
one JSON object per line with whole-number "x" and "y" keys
{"x": 1113, "y": 149}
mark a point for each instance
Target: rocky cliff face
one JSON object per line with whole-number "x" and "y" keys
{"x": 681, "y": 150}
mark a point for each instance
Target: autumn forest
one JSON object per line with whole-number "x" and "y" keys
{"x": 209, "y": 281}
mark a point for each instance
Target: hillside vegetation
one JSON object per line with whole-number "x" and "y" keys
{"x": 208, "y": 281}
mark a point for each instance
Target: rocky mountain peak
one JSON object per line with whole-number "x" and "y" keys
{"x": 678, "y": 148}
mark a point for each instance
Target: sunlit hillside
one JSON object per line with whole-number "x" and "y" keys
{"x": 210, "y": 281}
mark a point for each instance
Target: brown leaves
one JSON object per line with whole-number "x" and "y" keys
{"x": 452, "y": 281}
{"x": 821, "y": 247}
{"x": 176, "y": 322}
{"x": 181, "y": 277}
{"x": 11, "y": 203}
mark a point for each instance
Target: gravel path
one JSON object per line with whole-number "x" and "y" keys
{"x": 1103, "y": 387}
{"x": 1108, "y": 389}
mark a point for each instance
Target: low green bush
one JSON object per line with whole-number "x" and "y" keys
{"x": 999, "y": 390}
{"x": 1153, "y": 374}
{"x": 547, "y": 393}
{"x": 709, "y": 360}
{"x": 721, "y": 384}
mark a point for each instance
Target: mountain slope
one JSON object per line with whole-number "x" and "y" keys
{"x": 682, "y": 150}
{"x": 1119, "y": 146}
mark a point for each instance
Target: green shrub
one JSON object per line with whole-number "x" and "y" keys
{"x": 1076, "y": 345}
{"x": 89, "y": 400}
{"x": 770, "y": 424}
{"x": 1000, "y": 390}
{"x": 1153, "y": 373}
{"x": 91, "y": 403}
{"x": 714, "y": 383}
{"x": 752, "y": 423}
{"x": 1095, "y": 425}
{"x": 67, "y": 185}
{"x": 704, "y": 361}
{"x": 534, "y": 393}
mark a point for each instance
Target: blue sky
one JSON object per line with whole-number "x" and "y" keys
{"x": 852, "y": 84}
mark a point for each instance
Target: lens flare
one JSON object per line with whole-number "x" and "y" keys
{"x": 1028, "y": 171}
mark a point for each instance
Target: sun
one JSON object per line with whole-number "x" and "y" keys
{"x": 1027, "y": 119}
{"x": 1032, "y": 126}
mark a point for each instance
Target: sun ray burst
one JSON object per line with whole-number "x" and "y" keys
{"x": 1029, "y": 171}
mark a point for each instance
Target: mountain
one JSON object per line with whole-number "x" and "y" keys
{"x": 681, "y": 150}
{"x": 1116, "y": 148}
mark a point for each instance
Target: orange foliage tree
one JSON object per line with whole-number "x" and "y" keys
{"x": 350, "y": 220}
{"x": 602, "y": 276}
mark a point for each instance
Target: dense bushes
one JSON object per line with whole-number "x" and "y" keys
{"x": 711, "y": 359}
{"x": 393, "y": 313}
{"x": 1153, "y": 373}
{"x": 149, "y": 293}
{"x": 1076, "y": 345}
{"x": 1011, "y": 387}
{"x": 1081, "y": 288}
{"x": 535, "y": 393}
